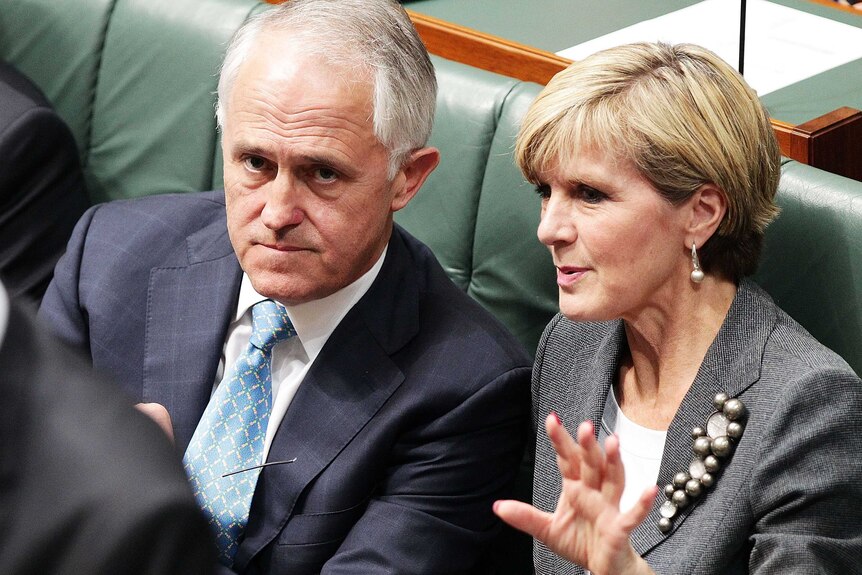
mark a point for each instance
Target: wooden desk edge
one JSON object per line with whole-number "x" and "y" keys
{"x": 831, "y": 142}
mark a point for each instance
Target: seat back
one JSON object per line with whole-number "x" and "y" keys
{"x": 812, "y": 258}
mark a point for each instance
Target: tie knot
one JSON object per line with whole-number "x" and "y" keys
{"x": 269, "y": 324}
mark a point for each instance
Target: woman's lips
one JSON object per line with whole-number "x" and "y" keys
{"x": 568, "y": 276}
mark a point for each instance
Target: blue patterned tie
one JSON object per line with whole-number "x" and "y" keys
{"x": 231, "y": 432}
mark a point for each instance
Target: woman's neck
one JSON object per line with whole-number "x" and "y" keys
{"x": 666, "y": 346}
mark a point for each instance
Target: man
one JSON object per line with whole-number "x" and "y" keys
{"x": 395, "y": 416}
{"x": 41, "y": 186}
{"x": 86, "y": 484}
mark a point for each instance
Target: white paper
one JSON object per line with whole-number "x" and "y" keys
{"x": 782, "y": 45}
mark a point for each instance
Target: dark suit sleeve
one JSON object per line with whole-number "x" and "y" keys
{"x": 89, "y": 485}
{"x": 60, "y": 308}
{"x": 42, "y": 191}
{"x": 806, "y": 491}
{"x": 433, "y": 512}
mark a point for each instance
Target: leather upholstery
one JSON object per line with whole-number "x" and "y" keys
{"x": 812, "y": 260}
{"x": 135, "y": 80}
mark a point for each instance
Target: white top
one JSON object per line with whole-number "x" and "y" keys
{"x": 641, "y": 449}
{"x": 314, "y": 322}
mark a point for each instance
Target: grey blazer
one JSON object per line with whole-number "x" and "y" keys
{"x": 790, "y": 498}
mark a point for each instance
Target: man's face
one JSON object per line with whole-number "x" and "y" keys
{"x": 309, "y": 204}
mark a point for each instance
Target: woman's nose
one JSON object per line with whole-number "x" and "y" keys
{"x": 557, "y": 223}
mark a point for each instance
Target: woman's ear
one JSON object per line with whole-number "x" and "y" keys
{"x": 708, "y": 207}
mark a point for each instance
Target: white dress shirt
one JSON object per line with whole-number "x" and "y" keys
{"x": 314, "y": 322}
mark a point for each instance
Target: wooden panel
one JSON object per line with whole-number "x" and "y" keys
{"x": 837, "y": 6}
{"x": 486, "y": 51}
{"x": 832, "y": 142}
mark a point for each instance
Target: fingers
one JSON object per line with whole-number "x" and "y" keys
{"x": 568, "y": 452}
{"x": 160, "y": 415}
{"x": 592, "y": 458}
{"x": 583, "y": 459}
{"x": 615, "y": 477}
{"x": 524, "y": 517}
{"x": 636, "y": 515}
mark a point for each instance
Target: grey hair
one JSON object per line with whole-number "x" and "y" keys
{"x": 372, "y": 35}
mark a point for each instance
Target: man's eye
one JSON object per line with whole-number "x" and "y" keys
{"x": 544, "y": 191}
{"x": 325, "y": 174}
{"x": 255, "y": 163}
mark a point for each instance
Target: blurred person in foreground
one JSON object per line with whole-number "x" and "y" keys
{"x": 343, "y": 407}
{"x": 87, "y": 485}
{"x": 714, "y": 434}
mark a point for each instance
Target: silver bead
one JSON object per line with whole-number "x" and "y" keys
{"x": 668, "y": 509}
{"x": 735, "y": 429}
{"x": 680, "y": 499}
{"x": 719, "y": 399}
{"x": 734, "y": 409}
{"x": 707, "y": 480}
{"x": 697, "y": 432}
{"x": 664, "y": 524}
{"x": 680, "y": 479}
{"x": 696, "y": 468}
{"x": 668, "y": 490}
{"x": 693, "y": 488}
{"x": 702, "y": 446}
{"x": 711, "y": 463}
{"x": 697, "y": 276}
{"x": 721, "y": 446}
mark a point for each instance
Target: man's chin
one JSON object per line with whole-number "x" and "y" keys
{"x": 284, "y": 287}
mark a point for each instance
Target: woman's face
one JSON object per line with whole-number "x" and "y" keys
{"x": 618, "y": 246}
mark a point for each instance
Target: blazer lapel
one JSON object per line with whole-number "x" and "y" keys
{"x": 587, "y": 401}
{"x": 732, "y": 364}
{"x": 349, "y": 382}
{"x": 188, "y": 310}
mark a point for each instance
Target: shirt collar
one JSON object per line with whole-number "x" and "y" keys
{"x": 314, "y": 321}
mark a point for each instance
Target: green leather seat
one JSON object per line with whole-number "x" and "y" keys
{"x": 812, "y": 260}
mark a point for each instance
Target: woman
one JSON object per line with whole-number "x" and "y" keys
{"x": 732, "y": 435}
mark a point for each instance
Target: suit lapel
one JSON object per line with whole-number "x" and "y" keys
{"x": 188, "y": 310}
{"x": 732, "y": 364}
{"x": 350, "y": 380}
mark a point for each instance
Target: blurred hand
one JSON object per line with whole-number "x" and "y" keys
{"x": 158, "y": 413}
{"x": 587, "y": 526}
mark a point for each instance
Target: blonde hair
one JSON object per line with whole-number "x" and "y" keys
{"x": 684, "y": 118}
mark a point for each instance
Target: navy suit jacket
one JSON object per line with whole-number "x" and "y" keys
{"x": 409, "y": 424}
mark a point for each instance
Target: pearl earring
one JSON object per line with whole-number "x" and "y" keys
{"x": 696, "y": 273}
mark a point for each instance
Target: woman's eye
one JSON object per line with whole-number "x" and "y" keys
{"x": 255, "y": 163}
{"x": 590, "y": 195}
{"x": 325, "y": 174}
{"x": 544, "y": 191}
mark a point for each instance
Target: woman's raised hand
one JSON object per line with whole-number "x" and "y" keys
{"x": 587, "y": 527}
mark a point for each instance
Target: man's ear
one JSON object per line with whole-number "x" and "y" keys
{"x": 414, "y": 171}
{"x": 708, "y": 207}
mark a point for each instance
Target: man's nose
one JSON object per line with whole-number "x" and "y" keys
{"x": 283, "y": 204}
